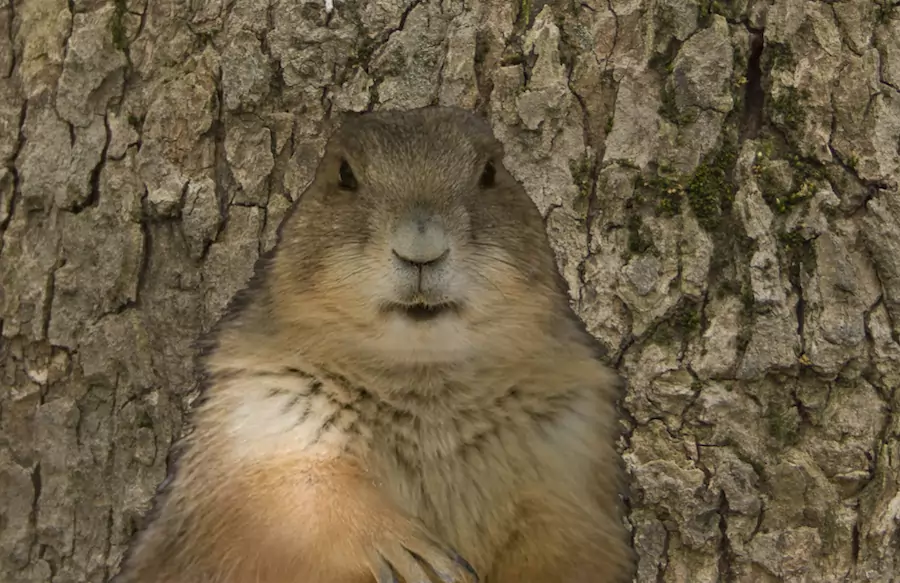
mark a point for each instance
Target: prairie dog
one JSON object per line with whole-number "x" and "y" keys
{"x": 403, "y": 392}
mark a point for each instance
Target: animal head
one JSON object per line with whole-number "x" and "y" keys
{"x": 415, "y": 245}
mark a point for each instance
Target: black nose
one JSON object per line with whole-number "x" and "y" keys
{"x": 425, "y": 260}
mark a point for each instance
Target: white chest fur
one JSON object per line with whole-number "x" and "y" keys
{"x": 287, "y": 414}
{"x": 488, "y": 454}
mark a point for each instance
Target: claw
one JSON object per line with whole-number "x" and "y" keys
{"x": 386, "y": 573}
{"x": 425, "y": 564}
{"x": 465, "y": 565}
{"x": 443, "y": 576}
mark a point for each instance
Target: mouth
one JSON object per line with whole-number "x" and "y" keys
{"x": 422, "y": 312}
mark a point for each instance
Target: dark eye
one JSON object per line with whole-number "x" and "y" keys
{"x": 487, "y": 175}
{"x": 346, "y": 179}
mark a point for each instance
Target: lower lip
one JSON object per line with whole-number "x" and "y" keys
{"x": 421, "y": 314}
{"x": 424, "y": 314}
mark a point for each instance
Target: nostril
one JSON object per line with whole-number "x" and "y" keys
{"x": 438, "y": 259}
{"x": 421, "y": 260}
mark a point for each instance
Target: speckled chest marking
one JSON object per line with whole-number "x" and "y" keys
{"x": 293, "y": 413}
{"x": 517, "y": 436}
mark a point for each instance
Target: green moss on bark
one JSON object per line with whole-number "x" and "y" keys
{"x": 711, "y": 188}
{"x": 582, "y": 171}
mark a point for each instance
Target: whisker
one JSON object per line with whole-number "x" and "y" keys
{"x": 489, "y": 281}
{"x": 492, "y": 257}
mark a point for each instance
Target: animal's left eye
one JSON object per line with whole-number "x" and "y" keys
{"x": 346, "y": 179}
{"x": 488, "y": 175}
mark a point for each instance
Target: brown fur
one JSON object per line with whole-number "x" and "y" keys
{"x": 334, "y": 437}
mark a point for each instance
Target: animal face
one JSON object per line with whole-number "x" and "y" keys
{"x": 414, "y": 234}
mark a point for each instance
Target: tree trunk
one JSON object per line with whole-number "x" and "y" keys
{"x": 719, "y": 180}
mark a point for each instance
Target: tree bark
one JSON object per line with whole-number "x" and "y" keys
{"x": 719, "y": 180}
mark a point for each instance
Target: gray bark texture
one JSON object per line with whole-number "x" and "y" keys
{"x": 719, "y": 180}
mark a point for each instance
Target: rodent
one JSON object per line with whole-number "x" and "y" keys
{"x": 402, "y": 393}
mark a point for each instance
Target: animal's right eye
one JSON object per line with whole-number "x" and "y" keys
{"x": 488, "y": 175}
{"x": 346, "y": 179}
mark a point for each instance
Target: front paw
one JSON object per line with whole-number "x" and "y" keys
{"x": 419, "y": 558}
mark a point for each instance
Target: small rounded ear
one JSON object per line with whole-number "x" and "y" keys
{"x": 343, "y": 119}
{"x": 479, "y": 129}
